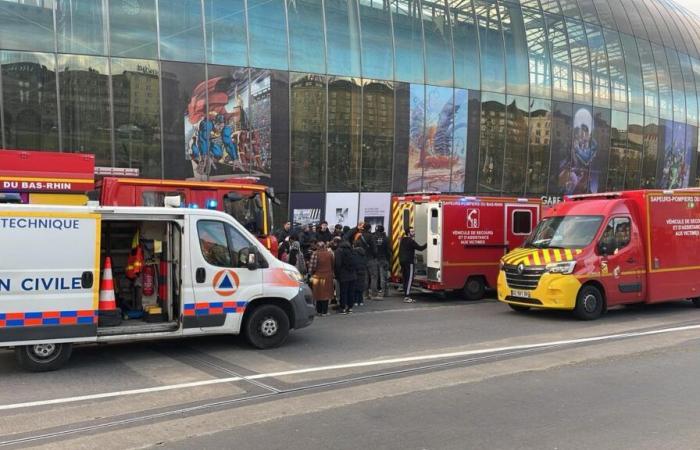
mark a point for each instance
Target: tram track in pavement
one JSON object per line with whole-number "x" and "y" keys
{"x": 192, "y": 409}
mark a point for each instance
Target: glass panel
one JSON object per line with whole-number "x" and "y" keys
{"x": 308, "y": 128}
{"x": 343, "y": 37}
{"x": 651, "y": 152}
{"x": 649, "y": 25}
{"x": 588, "y": 11}
{"x": 540, "y": 134}
{"x": 581, "y": 161}
{"x": 580, "y": 64}
{"x": 402, "y": 134}
{"x": 691, "y": 98}
{"x": 677, "y": 85}
{"x": 635, "y": 143}
{"x": 570, "y": 9}
{"x": 212, "y": 241}
{"x": 79, "y": 27}
{"x": 416, "y": 145}
{"x": 620, "y": 16}
{"x": 438, "y": 46}
{"x": 676, "y": 157}
{"x": 636, "y": 22}
{"x": 605, "y": 14}
{"x": 132, "y": 28}
{"x": 27, "y": 25}
{"x": 601, "y": 136}
{"x": 562, "y": 88}
{"x": 137, "y": 115}
{"x": 493, "y": 77}
{"x": 181, "y": 37}
{"x": 84, "y": 100}
{"x": 664, "y": 78}
{"x": 344, "y": 116}
{"x": 226, "y": 28}
{"x": 516, "y": 49}
{"x": 436, "y": 158}
{"x": 534, "y": 4}
{"x": 29, "y": 100}
{"x": 651, "y": 87}
{"x": 377, "y": 135}
{"x": 691, "y": 141}
{"x": 599, "y": 66}
{"x": 655, "y": 16}
{"x": 377, "y": 49}
{"x": 618, "y": 151}
{"x": 307, "y": 52}
{"x": 559, "y": 179}
{"x": 517, "y": 116}
{"x": 267, "y": 28}
{"x": 550, "y": 6}
{"x": 635, "y": 85}
{"x": 618, "y": 80}
{"x": 538, "y": 51}
{"x": 408, "y": 41}
{"x": 491, "y": 142}
{"x": 459, "y": 141}
{"x": 466, "y": 45}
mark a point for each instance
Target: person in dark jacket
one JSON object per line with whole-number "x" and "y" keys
{"x": 380, "y": 275}
{"x": 346, "y": 276}
{"x": 284, "y": 233}
{"x": 323, "y": 233}
{"x": 338, "y": 231}
{"x": 359, "y": 260}
{"x": 407, "y": 256}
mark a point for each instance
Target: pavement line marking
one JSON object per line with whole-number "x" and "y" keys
{"x": 334, "y": 367}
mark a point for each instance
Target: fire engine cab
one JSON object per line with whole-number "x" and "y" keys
{"x": 465, "y": 237}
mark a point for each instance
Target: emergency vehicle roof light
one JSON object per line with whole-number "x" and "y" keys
{"x": 522, "y": 200}
{"x": 172, "y": 201}
{"x": 212, "y": 204}
{"x": 468, "y": 199}
{"x": 193, "y": 206}
{"x": 668, "y": 192}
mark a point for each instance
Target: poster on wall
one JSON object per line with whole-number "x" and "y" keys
{"x": 436, "y": 158}
{"x": 341, "y": 209}
{"x": 228, "y": 124}
{"x": 375, "y": 209}
{"x": 579, "y": 160}
{"x": 416, "y": 137}
{"x": 677, "y": 156}
{"x": 306, "y": 208}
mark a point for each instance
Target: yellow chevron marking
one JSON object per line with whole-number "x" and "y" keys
{"x": 569, "y": 256}
{"x": 512, "y": 256}
{"x": 536, "y": 259}
{"x": 557, "y": 255}
{"x": 579, "y": 251}
{"x": 547, "y": 256}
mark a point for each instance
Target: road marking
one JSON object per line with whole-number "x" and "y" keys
{"x": 335, "y": 367}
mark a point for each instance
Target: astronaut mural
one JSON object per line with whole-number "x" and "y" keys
{"x": 577, "y": 172}
{"x": 227, "y": 124}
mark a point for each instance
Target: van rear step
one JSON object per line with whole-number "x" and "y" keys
{"x": 140, "y": 327}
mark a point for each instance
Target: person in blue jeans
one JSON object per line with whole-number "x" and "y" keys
{"x": 346, "y": 276}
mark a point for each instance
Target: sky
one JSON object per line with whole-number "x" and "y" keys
{"x": 693, "y": 5}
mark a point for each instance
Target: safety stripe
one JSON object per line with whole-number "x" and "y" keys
{"x": 207, "y": 309}
{"x": 46, "y": 318}
{"x": 530, "y": 257}
{"x": 397, "y": 231}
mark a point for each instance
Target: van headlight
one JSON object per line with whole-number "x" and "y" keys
{"x": 564, "y": 268}
{"x": 294, "y": 275}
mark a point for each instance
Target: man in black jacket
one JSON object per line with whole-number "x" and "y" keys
{"x": 345, "y": 273}
{"x": 379, "y": 277}
{"x": 407, "y": 256}
{"x": 323, "y": 233}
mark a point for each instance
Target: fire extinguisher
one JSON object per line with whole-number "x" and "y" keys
{"x": 148, "y": 280}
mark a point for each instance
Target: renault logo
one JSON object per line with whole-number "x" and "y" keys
{"x": 521, "y": 268}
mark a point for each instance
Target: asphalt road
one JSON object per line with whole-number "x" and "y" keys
{"x": 435, "y": 374}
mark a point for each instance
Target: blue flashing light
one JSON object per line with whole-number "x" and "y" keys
{"x": 193, "y": 206}
{"x": 212, "y": 204}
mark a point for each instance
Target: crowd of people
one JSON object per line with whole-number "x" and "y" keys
{"x": 344, "y": 266}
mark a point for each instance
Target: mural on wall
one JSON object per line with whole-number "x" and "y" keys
{"x": 677, "y": 157}
{"x": 578, "y": 168}
{"x": 459, "y": 141}
{"x": 228, "y": 124}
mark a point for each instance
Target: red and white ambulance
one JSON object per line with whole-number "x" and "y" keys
{"x": 592, "y": 252}
{"x": 466, "y": 237}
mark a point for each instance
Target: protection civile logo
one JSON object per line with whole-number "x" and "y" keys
{"x": 226, "y": 282}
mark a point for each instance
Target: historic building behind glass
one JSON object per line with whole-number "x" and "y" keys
{"x": 323, "y": 97}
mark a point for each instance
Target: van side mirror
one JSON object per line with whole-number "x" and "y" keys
{"x": 252, "y": 260}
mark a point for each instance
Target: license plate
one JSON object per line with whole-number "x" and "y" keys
{"x": 520, "y": 293}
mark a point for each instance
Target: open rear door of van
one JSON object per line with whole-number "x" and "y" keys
{"x": 49, "y": 274}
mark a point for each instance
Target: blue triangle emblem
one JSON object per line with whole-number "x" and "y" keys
{"x": 226, "y": 282}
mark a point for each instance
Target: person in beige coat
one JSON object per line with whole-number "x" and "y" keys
{"x": 321, "y": 271}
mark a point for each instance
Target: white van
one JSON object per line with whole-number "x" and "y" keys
{"x": 199, "y": 272}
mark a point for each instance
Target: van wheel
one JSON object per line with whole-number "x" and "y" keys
{"x": 267, "y": 327}
{"x": 519, "y": 308}
{"x": 474, "y": 288}
{"x": 43, "y": 357}
{"x": 696, "y": 302}
{"x": 589, "y": 303}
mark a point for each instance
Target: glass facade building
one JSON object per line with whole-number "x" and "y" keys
{"x": 499, "y": 97}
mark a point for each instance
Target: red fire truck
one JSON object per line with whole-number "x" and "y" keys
{"x": 466, "y": 237}
{"x": 592, "y": 252}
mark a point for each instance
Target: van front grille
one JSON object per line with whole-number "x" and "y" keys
{"x": 528, "y": 279}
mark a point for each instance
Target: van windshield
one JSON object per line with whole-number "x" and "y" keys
{"x": 564, "y": 232}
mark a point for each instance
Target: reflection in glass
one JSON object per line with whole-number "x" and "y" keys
{"x": 459, "y": 140}
{"x": 438, "y": 46}
{"x": 491, "y": 142}
{"x": 137, "y": 115}
{"x": 84, "y": 98}
{"x": 308, "y": 131}
{"x": 599, "y": 66}
{"x": 618, "y": 151}
{"x": 539, "y": 145}
{"x": 663, "y": 76}
{"x": 181, "y": 37}
{"x": 636, "y": 21}
{"x": 79, "y": 27}
{"x": 226, "y": 32}
{"x": 267, "y": 26}
{"x": 651, "y": 88}
{"x": 561, "y": 61}
{"x": 344, "y": 116}
{"x": 466, "y": 44}
{"x": 588, "y": 11}
{"x": 580, "y": 64}
{"x": 516, "y": 49}
{"x": 27, "y": 25}
{"x": 616, "y": 61}
{"x": 436, "y": 156}
{"x": 516, "y": 145}
{"x": 691, "y": 98}
{"x": 377, "y": 51}
{"x": 538, "y": 51}
{"x": 677, "y": 85}
{"x": 570, "y": 9}
{"x": 651, "y": 152}
{"x": 29, "y": 100}
{"x": 377, "y": 135}
{"x": 306, "y": 52}
{"x": 649, "y": 25}
{"x": 417, "y": 141}
{"x": 635, "y": 143}
{"x": 633, "y": 65}
{"x": 132, "y": 28}
{"x": 408, "y": 41}
{"x": 562, "y": 119}
{"x": 342, "y": 37}
{"x": 493, "y": 77}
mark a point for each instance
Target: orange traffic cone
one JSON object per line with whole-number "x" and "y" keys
{"x": 108, "y": 313}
